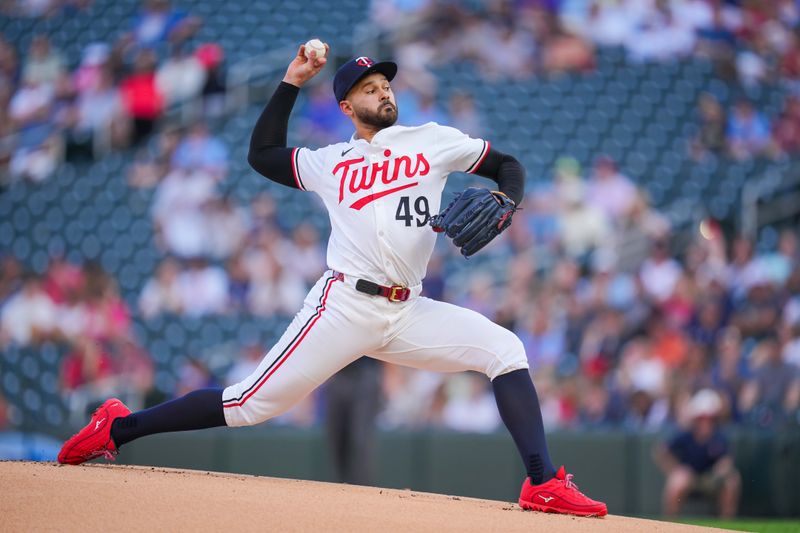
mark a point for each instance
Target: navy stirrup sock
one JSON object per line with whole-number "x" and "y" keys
{"x": 519, "y": 408}
{"x": 199, "y": 409}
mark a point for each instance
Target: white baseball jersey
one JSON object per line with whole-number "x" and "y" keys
{"x": 379, "y": 196}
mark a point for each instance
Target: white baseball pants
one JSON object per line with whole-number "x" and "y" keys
{"x": 338, "y": 324}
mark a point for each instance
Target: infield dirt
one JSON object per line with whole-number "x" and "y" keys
{"x": 99, "y": 497}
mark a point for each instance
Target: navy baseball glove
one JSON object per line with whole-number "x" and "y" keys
{"x": 474, "y": 217}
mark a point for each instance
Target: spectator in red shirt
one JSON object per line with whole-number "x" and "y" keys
{"x": 107, "y": 316}
{"x": 87, "y": 363}
{"x": 4, "y": 414}
{"x": 786, "y": 133}
{"x": 63, "y": 280}
{"x": 141, "y": 97}
{"x": 790, "y": 62}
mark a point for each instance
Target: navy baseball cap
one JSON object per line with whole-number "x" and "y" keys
{"x": 355, "y": 69}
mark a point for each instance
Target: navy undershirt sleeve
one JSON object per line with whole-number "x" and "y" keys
{"x": 269, "y": 155}
{"x": 506, "y": 171}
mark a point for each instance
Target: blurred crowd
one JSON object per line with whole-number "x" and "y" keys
{"x": 42, "y": 8}
{"x": 220, "y": 256}
{"x": 749, "y": 40}
{"x": 78, "y": 307}
{"x": 743, "y": 131}
{"x": 621, "y": 328}
{"x": 750, "y": 43}
{"x": 54, "y": 108}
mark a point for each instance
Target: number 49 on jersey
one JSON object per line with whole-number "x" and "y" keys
{"x": 421, "y": 211}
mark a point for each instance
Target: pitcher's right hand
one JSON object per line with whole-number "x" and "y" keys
{"x": 303, "y": 68}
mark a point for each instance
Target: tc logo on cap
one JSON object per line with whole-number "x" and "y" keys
{"x": 352, "y": 71}
{"x": 364, "y": 62}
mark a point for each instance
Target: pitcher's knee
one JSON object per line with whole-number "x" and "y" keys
{"x": 239, "y": 416}
{"x": 254, "y": 411}
{"x": 244, "y": 409}
{"x": 509, "y": 356}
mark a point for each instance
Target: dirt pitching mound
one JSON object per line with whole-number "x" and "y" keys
{"x": 46, "y": 496}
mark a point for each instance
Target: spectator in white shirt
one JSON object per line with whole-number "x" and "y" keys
{"x": 43, "y": 65}
{"x": 472, "y": 407}
{"x": 178, "y": 211}
{"x": 275, "y": 289}
{"x": 161, "y": 293}
{"x": 30, "y": 105}
{"x": 29, "y": 316}
{"x": 584, "y": 228}
{"x": 181, "y": 77}
{"x": 305, "y": 254}
{"x": 227, "y": 225}
{"x": 245, "y": 364}
{"x": 661, "y": 37}
{"x": 202, "y": 151}
{"x": 609, "y": 190}
{"x": 660, "y": 272}
{"x": 613, "y": 22}
{"x": 203, "y": 288}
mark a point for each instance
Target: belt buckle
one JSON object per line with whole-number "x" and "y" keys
{"x": 393, "y": 290}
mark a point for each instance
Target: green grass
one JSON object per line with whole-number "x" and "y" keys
{"x": 747, "y": 524}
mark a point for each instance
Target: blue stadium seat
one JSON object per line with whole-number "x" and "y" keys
{"x": 175, "y": 335}
{"x": 211, "y": 334}
{"x": 32, "y": 399}
{"x": 54, "y": 414}
{"x": 160, "y": 351}
{"x": 91, "y": 247}
{"x": 165, "y": 382}
{"x": 248, "y": 333}
{"x": 130, "y": 280}
{"x": 73, "y": 233}
{"x": 49, "y": 382}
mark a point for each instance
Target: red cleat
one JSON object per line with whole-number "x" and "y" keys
{"x": 559, "y": 495}
{"x": 95, "y": 439}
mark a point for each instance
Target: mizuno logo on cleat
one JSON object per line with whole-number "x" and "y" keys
{"x": 545, "y": 498}
{"x": 97, "y": 424}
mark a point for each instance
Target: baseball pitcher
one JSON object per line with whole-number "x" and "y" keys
{"x": 382, "y": 189}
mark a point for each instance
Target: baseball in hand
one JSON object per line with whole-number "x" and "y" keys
{"x": 317, "y": 46}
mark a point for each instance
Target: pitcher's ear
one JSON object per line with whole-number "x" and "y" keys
{"x": 346, "y": 108}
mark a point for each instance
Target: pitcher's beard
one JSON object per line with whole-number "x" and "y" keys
{"x": 384, "y": 117}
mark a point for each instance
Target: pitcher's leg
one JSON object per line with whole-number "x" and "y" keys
{"x": 519, "y": 408}
{"x": 204, "y": 408}
{"x": 311, "y": 350}
{"x": 444, "y": 337}
{"x": 322, "y": 339}
{"x": 198, "y": 409}
{"x": 113, "y": 424}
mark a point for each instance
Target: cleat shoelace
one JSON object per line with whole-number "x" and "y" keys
{"x": 108, "y": 454}
{"x": 568, "y": 483}
{"x": 105, "y": 452}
